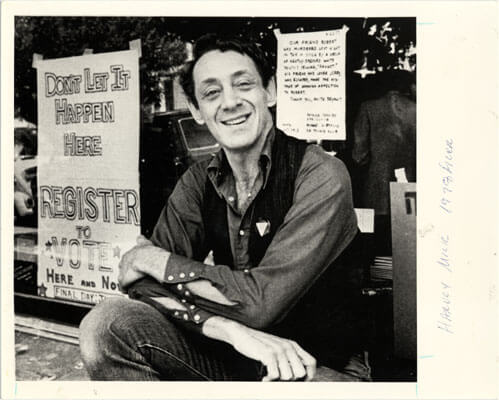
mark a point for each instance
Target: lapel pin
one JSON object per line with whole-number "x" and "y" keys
{"x": 263, "y": 227}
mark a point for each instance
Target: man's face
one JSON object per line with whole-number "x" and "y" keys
{"x": 232, "y": 100}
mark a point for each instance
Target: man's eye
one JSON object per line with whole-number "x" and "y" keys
{"x": 211, "y": 94}
{"x": 244, "y": 84}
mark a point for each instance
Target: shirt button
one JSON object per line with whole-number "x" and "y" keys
{"x": 231, "y": 198}
{"x": 187, "y": 293}
{"x": 182, "y": 275}
{"x": 191, "y": 274}
{"x": 246, "y": 271}
{"x": 192, "y": 307}
{"x": 197, "y": 317}
{"x": 179, "y": 286}
{"x": 170, "y": 277}
{"x": 241, "y": 232}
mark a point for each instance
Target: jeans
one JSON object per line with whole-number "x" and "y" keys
{"x": 124, "y": 339}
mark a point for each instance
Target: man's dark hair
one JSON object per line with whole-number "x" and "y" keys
{"x": 213, "y": 41}
{"x": 399, "y": 81}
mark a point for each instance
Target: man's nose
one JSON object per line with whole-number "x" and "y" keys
{"x": 230, "y": 99}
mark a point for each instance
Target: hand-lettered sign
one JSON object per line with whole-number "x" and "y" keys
{"x": 88, "y": 179}
{"x": 311, "y": 84}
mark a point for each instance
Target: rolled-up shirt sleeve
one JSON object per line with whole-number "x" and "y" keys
{"x": 317, "y": 228}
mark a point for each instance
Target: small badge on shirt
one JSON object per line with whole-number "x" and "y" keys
{"x": 263, "y": 227}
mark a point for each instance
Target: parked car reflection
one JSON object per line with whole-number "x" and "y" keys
{"x": 169, "y": 145}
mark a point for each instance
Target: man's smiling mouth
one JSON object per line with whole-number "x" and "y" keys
{"x": 236, "y": 121}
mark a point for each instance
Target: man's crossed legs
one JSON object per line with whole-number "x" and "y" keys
{"x": 128, "y": 340}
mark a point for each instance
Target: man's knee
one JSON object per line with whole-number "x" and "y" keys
{"x": 95, "y": 329}
{"x": 119, "y": 333}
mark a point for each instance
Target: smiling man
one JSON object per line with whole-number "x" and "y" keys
{"x": 283, "y": 294}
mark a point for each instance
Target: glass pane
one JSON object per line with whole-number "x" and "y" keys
{"x": 197, "y": 136}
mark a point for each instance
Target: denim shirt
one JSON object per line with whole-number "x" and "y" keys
{"x": 317, "y": 228}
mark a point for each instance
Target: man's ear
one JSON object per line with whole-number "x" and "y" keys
{"x": 271, "y": 92}
{"x": 195, "y": 113}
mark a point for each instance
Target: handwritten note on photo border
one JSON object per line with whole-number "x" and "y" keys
{"x": 457, "y": 206}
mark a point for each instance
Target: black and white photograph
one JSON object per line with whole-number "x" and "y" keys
{"x": 225, "y": 197}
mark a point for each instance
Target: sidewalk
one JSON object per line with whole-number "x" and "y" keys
{"x": 47, "y": 351}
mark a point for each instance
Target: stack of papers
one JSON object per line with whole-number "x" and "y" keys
{"x": 382, "y": 268}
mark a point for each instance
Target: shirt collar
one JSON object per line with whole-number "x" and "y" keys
{"x": 219, "y": 167}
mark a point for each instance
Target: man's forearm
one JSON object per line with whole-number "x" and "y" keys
{"x": 155, "y": 264}
{"x": 284, "y": 359}
{"x": 219, "y": 328}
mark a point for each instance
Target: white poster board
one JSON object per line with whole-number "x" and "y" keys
{"x": 88, "y": 176}
{"x": 311, "y": 84}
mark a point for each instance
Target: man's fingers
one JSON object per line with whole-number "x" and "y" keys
{"x": 310, "y": 372}
{"x": 290, "y": 364}
{"x": 169, "y": 303}
{"x": 122, "y": 285}
{"x": 142, "y": 240}
{"x": 285, "y": 372}
{"x": 272, "y": 369}
{"x": 296, "y": 363}
{"x": 283, "y": 358}
{"x": 120, "y": 277}
{"x": 308, "y": 361}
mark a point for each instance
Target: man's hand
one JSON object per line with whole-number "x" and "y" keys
{"x": 284, "y": 359}
{"x": 143, "y": 259}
